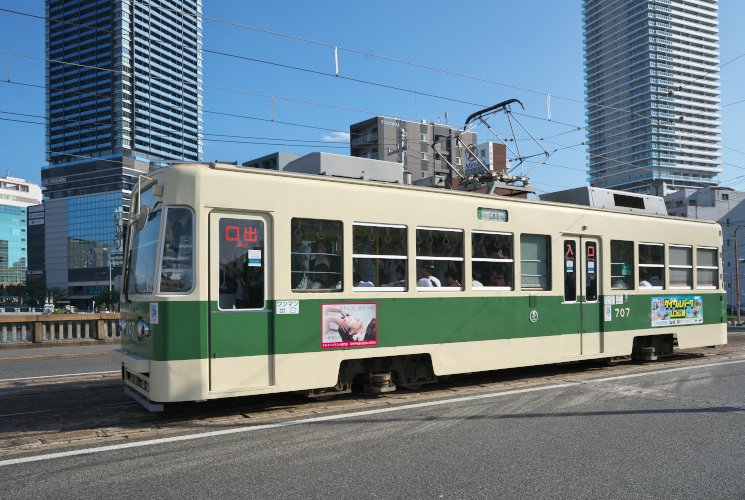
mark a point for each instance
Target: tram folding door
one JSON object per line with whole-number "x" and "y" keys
{"x": 240, "y": 339}
{"x": 581, "y": 307}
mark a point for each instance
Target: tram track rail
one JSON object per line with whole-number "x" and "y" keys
{"x": 59, "y": 413}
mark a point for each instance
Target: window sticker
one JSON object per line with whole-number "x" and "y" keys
{"x": 254, "y": 258}
{"x": 153, "y": 313}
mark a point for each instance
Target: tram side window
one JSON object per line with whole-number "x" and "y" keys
{"x": 492, "y": 261}
{"x": 535, "y": 272}
{"x": 681, "y": 266}
{"x": 707, "y": 268}
{"x": 439, "y": 259}
{"x": 622, "y": 264}
{"x": 570, "y": 271}
{"x": 242, "y": 265}
{"x": 316, "y": 255}
{"x": 177, "y": 265}
{"x": 379, "y": 258}
{"x": 651, "y": 265}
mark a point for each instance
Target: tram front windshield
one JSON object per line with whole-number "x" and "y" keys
{"x": 144, "y": 253}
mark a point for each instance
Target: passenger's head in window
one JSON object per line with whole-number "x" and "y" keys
{"x": 452, "y": 278}
{"x": 496, "y": 277}
{"x": 426, "y": 271}
{"x": 321, "y": 276}
{"x": 400, "y": 274}
{"x": 321, "y": 258}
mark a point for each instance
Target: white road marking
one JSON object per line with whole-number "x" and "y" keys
{"x": 329, "y": 418}
{"x": 57, "y": 376}
{"x": 667, "y": 370}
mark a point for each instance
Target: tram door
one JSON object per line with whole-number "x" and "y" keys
{"x": 240, "y": 340}
{"x": 581, "y": 307}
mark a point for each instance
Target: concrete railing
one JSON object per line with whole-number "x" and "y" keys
{"x": 57, "y": 328}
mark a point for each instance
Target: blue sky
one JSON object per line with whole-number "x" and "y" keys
{"x": 522, "y": 50}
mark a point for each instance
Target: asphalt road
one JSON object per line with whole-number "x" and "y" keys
{"x": 53, "y": 361}
{"x": 669, "y": 433}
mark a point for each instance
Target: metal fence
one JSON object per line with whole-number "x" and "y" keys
{"x": 58, "y": 328}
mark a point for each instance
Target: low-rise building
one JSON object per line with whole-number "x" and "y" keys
{"x": 424, "y": 148}
{"x": 727, "y": 207}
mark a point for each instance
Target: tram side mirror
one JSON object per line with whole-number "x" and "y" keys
{"x": 142, "y": 217}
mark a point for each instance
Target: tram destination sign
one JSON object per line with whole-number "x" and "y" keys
{"x": 491, "y": 214}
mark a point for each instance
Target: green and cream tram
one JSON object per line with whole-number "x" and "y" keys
{"x": 243, "y": 281}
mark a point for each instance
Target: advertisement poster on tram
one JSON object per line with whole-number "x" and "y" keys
{"x": 677, "y": 310}
{"x": 349, "y": 325}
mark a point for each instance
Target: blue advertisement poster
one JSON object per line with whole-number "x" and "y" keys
{"x": 677, "y": 310}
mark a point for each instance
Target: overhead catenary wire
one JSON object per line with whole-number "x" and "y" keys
{"x": 353, "y": 51}
{"x": 619, "y": 162}
{"x": 339, "y": 47}
{"x": 374, "y": 83}
{"x": 416, "y": 93}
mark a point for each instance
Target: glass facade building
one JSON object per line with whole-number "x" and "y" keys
{"x": 12, "y": 244}
{"x": 124, "y": 90}
{"x": 16, "y": 196}
{"x": 652, "y": 94}
{"x": 124, "y": 78}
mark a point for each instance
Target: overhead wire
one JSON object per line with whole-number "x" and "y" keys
{"x": 348, "y": 78}
{"x": 350, "y": 50}
{"x": 393, "y": 59}
{"x": 392, "y": 87}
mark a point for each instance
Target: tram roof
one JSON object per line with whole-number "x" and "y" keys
{"x": 207, "y": 166}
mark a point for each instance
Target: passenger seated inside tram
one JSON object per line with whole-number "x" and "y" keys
{"x": 321, "y": 256}
{"x": 400, "y": 277}
{"x": 621, "y": 283}
{"x": 357, "y": 281}
{"x": 648, "y": 280}
{"x": 451, "y": 278}
{"x": 496, "y": 278}
{"x": 321, "y": 277}
{"x": 475, "y": 283}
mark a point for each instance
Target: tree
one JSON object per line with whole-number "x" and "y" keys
{"x": 111, "y": 298}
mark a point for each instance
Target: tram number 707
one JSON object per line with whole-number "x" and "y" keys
{"x": 622, "y": 312}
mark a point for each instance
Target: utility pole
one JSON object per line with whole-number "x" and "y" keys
{"x": 737, "y": 273}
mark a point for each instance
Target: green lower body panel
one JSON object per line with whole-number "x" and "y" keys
{"x": 180, "y": 330}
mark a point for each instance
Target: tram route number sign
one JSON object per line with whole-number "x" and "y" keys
{"x": 492, "y": 214}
